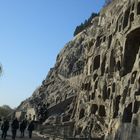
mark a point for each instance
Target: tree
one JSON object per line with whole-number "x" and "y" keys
{"x": 0, "y": 69}
{"x": 84, "y": 25}
{"x": 5, "y": 111}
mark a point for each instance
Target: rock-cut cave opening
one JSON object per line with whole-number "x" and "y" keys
{"x": 131, "y": 50}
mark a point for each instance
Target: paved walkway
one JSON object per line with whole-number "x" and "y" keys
{"x": 26, "y": 137}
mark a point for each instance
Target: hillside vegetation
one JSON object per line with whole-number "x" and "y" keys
{"x": 5, "y": 111}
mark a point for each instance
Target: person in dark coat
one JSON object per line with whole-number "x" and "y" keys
{"x": 22, "y": 127}
{"x": 31, "y": 127}
{"x": 14, "y": 127}
{"x": 4, "y": 128}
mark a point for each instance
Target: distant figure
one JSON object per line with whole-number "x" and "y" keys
{"x": 31, "y": 127}
{"x": 14, "y": 127}
{"x": 4, "y": 128}
{"x": 22, "y": 127}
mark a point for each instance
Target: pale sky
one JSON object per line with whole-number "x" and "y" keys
{"x": 32, "y": 33}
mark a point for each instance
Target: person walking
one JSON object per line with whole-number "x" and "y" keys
{"x": 22, "y": 127}
{"x": 14, "y": 127}
{"x": 4, "y": 128}
{"x": 31, "y": 127}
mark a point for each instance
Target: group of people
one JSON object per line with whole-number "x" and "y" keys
{"x": 15, "y": 125}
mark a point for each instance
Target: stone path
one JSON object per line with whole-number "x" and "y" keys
{"x": 26, "y": 137}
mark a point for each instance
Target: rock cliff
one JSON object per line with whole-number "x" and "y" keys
{"x": 95, "y": 83}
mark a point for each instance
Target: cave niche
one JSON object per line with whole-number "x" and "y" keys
{"x": 127, "y": 115}
{"x": 103, "y": 66}
{"x": 133, "y": 77}
{"x": 136, "y": 106}
{"x": 117, "y": 102}
{"x": 138, "y": 8}
{"x": 131, "y": 50}
{"x": 96, "y": 64}
{"x": 126, "y": 17}
{"x": 81, "y": 114}
{"x": 94, "y": 108}
{"x": 102, "y": 111}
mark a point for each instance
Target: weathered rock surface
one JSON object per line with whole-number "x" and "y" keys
{"x": 95, "y": 83}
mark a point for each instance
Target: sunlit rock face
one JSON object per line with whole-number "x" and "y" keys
{"x": 95, "y": 83}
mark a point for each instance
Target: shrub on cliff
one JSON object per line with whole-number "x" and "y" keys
{"x": 84, "y": 25}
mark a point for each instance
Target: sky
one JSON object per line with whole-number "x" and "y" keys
{"x": 32, "y": 33}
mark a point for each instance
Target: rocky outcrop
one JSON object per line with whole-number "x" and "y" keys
{"x": 95, "y": 83}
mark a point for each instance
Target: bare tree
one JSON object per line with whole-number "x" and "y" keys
{"x": 0, "y": 69}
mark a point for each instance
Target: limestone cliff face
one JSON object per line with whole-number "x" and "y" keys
{"x": 95, "y": 82}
